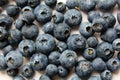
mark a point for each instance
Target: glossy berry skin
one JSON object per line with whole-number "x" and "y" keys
{"x": 62, "y": 72}
{"x": 89, "y": 53}
{"x": 49, "y": 27}
{"x": 19, "y": 23}
{"x": 98, "y": 64}
{"x": 45, "y": 43}
{"x": 71, "y": 4}
{"x": 86, "y": 29}
{"x": 109, "y": 36}
{"x": 7, "y": 49}
{"x": 14, "y": 36}
{"x": 94, "y": 78}
{"x": 54, "y": 57}
{"x": 27, "y": 71}
{"x": 51, "y": 70}
{"x": 3, "y": 33}
{"x": 62, "y": 31}
{"x": 21, "y": 3}
{"x": 68, "y": 59}
{"x": 50, "y": 3}
{"x": 105, "y": 51}
{"x": 30, "y": 31}
{"x": 110, "y": 18}
{"x": 117, "y": 28}
{"x": 83, "y": 68}
{"x": 43, "y": 13}
{"x": 92, "y": 15}
{"x": 18, "y": 78}
{"x": 27, "y": 9}
{"x": 76, "y": 78}
{"x": 58, "y": 17}
{"x": 33, "y": 3}
{"x": 14, "y": 59}
{"x": 113, "y": 64}
{"x": 12, "y": 72}
{"x": 27, "y": 48}
{"x": 92, "y": 41}
{"x": 12, "y": 10}
{"x": 106, "y": 5}
{"x": 106, "y": 75}
{"x": 116, "y": 44}
{"x": 61, "y": 7}
{"x": 61, "y": 46}
{"x": 3, "y": 64}
{"x": 44, "y": 77}
{"x": 76, "y": 42}
{"x": 99, "y": 24}
{"x": 39, "y": 61}
{"x": 73, "y": 17}
{"x": 87, "y": 5}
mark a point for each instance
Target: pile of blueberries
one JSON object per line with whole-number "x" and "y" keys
{"x": 57, "y": 51}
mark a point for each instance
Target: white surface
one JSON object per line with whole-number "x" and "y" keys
{"x": 116, "y": 75}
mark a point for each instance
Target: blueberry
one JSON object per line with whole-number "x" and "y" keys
{"x": 51, "y": 70}
{"x": 68, "y": 59}
{"x": 27, "y": 9}
{"x": 12, "y": 10}
{"x": 117, "y": 28}
{"x": 87, "y": 5}
{"x": 106, "y": 5}
{"x": 118, "y": 55}
{"x": 76, "y": 42}
{"x": 94, "y": 78}
{"x": 109, "y": 36}
{"x": 14, "y": 59}
{"x": 113, "y": 64}
{"x": 62, "y": 31}
{"x": 89, "y": 53}
{"x": 27, "y": 71}
{"x": 43, "y": 13}
{"x": 3, "y": 43}
{"x": 3, "y": 64}
{"x": 33, "y": 3}
{"x": 62, "y": 72}
{"x": 92, "y": 41}
{"x": 86, "y": 29}
{"x": 116, "y": 44}
{"x": 45, "y": 43}
{"x": 54, "y": 57}
{"x": 61, "y": 46}
{"x": 118, "y": 17}
{"x": 19, "y": 23}
{"x": 44, "y": 77}
{"x": 5, "y": 21}
{"x": 99, "y": 24}
{"x": 39, "y": 61}
{"x": 18, "y": 78}
{"x": 73, "y": 17}
{"x": 14, "y": 36}
{"x": 118, "y": 2}
{"x": 3, "y": 2}
{"x": 72, "y": 3}
{"x": 7, "y": 49}
{"x": 21, "y": 3}
{"x": 98, "y": 64}
{"x": 30, "y": 31}
{"x": 92, "y": 15}
{"x": 58, "y": 17}
{"x": 50, "y": 2}
{"x": 27, "y": 48}
{"x": 28, "y": 17}
{"x": 3, "y": 33}
{"x": 61, "y": 7}
{"x": 110, "y": 18}
{"x": 105, "y": 51}
{"x": 106, "y": 75}
{"x": 12, "y": 71}
{"x": 76, "y": 78}
{"x": 49, "y": 27}
{"x": 83, "y": 68}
